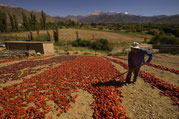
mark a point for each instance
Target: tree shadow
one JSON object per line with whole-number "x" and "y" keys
{"x": 109, "y": 83}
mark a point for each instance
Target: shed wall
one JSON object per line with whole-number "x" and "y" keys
{"x": 48, "y": 48}
{"x": 25, "y": 46}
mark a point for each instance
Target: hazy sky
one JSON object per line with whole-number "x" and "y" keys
{"x": 66, "y": 7}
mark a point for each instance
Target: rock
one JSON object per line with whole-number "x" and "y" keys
{"x": 10, "y": 54}
{"x": 31, "y": 53}
{"x": 77, "y": 52}
{"x": 39, "y": 54}
{"x": 69, "y": 52}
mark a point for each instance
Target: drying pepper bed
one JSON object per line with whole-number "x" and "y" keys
{"x": 19, "y": 59}
{"x": 29, "y": 99}
{"x": 53, "y": 89}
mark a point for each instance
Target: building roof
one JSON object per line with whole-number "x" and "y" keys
{"x": 33, "y": 42}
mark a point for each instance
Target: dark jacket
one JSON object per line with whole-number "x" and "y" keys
{"x": 137, "y": 59}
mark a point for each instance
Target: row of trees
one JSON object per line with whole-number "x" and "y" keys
{"x": 46, "y": 37}
{"x": 152, "y": 29}
{"x": 32, "y": 23}
{"x": 13, "y": 23}
{"x": 29, "y": 23}
{"x": 3, "y": 22}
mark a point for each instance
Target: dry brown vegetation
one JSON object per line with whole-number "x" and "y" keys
{"x": 119, "y": 40}
{"x": 70, "y": 34}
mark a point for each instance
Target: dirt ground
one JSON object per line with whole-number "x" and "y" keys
{"x": 143, "y": 102}
{"x": 81, "y": 109}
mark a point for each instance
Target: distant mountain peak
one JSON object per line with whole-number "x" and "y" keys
{"x": 126, "y": 13}
{"x": 3, "y": 5}
{"x": 98, "y": 12}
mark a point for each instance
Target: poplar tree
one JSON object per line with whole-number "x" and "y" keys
{"x": 3, "y": 22}
{"x": 15, "y": 23}
{"x": 30, "y": 36}
{"x": 56, "y": 35}
{"x": 33, "y": 21}
{"x": 11, "y": 22}
{"x": 48, "y": 36}
{"x": 43, "y": 20}
{"x": 77, "y": 37}
{"x": 25, "y": 22}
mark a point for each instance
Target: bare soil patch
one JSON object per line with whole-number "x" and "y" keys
{"x": 81, "y": 109}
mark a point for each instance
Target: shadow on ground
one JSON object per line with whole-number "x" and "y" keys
{"x": 109, "y": 83}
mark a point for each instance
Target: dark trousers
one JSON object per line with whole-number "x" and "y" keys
{"x": 136, "y": 73}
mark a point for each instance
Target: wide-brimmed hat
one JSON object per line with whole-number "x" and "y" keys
{"x": 135, "y": 45}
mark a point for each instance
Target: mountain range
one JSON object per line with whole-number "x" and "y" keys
{"x": 123, "y": 17}
{"x": 18, "y": 13}
{"x": 96, "y": 16}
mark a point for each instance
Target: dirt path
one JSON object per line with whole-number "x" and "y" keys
{"x": 167, "y": 76}
{"x": 81, "y": 109}
{"x": 143, "y": 102}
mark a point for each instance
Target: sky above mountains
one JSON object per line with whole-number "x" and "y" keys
{"x": 73, "y": 7}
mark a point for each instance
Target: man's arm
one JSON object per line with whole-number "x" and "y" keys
{"x": 149, "y": 53}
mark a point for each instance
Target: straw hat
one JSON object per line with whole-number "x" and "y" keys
{"x": 135, "y": 45}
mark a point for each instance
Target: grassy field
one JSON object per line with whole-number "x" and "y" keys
{"x": 119, "y": 40}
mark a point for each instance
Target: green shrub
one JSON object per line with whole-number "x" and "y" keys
{"x": 165, "y": 39}
{"x": 169, "y": 40}
{"x": 101, "y": 44}
{"x": 153, "y": 32}
{"x": 60, "y": 43}
{"x": 100, "y": 28}
{"x": 82, "y": 43}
